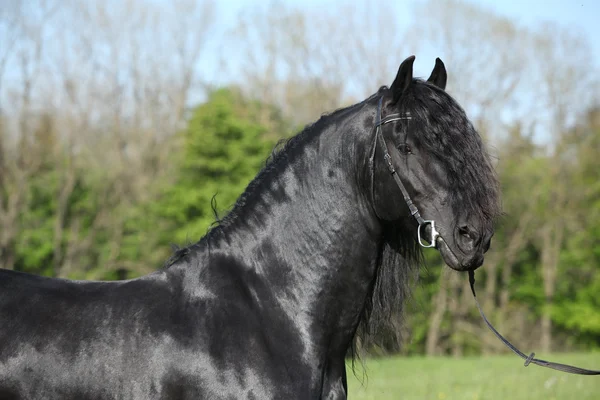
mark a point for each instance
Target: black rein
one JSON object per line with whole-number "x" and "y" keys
{"x": 530, "y": 358}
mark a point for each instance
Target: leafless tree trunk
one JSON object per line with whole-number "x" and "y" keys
{"x": 440, "y": 305}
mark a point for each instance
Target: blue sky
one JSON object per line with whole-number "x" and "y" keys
{"x": 582, "y": 16}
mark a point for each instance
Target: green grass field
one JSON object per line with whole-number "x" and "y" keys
{"x": 472, "y": 378}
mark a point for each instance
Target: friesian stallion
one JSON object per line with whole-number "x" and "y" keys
{"x": 315, "y": 252}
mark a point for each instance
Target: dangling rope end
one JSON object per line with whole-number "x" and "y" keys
{"x": 472, "y": 282}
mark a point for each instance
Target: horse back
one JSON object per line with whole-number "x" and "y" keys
{"x": 35, "y": 308}
{"x": 74, "y": 339}
{"x": 147, "y": 338}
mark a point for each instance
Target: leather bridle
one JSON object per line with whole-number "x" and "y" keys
{"x": 414, "y": 211}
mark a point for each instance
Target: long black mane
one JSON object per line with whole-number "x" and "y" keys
{"x": 450, "y": 138}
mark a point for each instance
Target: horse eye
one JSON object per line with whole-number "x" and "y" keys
{"x": 404, "y": 148}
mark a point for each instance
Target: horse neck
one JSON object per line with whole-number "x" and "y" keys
{"x": 311, "y": 237}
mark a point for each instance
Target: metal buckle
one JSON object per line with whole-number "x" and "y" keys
{"x": 434, "y": 234}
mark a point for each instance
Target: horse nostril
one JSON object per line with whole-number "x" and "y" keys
{"x": 465, "y": 232}
{"x": 486, "y": 246}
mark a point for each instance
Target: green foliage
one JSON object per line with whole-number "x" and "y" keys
{"x": 35, "y": 247}
{"x": 223, "y": 148}
{"x": 577, "y": 307}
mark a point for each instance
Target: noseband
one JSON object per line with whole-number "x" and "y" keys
{"x": 414, "y": 211}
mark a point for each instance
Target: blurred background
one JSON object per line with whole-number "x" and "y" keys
{"x": 119, "y": 121}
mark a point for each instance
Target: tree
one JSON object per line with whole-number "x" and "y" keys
{"x": 577, "y": 305}
{"x": 559, "y": 55}
{"x": 223, "y": 147}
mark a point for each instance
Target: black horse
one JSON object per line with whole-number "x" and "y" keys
{"x": 266, "y": 305}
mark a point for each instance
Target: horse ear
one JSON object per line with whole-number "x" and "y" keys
{"x": 403, "y": 78}
{"x": 438, "y": 75}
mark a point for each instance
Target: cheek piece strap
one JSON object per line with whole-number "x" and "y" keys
{"x": 414, "y": 211}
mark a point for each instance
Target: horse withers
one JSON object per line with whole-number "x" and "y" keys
{"x": 316, "y": 252}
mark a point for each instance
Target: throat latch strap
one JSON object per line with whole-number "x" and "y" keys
{"x": 529, "y": 359}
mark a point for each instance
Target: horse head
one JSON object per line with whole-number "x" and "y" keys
{"x": 428, "y": 156}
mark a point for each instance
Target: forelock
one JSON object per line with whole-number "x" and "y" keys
{"x": 441, "y": 128}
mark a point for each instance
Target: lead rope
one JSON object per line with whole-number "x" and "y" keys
{"x": 530, "y": 358}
